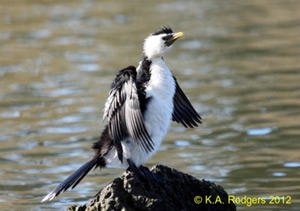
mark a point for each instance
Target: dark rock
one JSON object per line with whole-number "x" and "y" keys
{"x": 174, "y": 191}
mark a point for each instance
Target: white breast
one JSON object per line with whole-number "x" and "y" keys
{"x": 160, "y": 90}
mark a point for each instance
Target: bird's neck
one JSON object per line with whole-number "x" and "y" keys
{"x": 147, "y": 65}
{"x": 161, "y": 75}
{"x": 156, "y": 77}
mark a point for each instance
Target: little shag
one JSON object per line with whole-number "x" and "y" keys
{"x": 140, "y": 106}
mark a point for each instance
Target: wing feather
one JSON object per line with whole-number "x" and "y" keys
{"x": 123, "y": 112}
{"x": 135, "y": 121}
{"x": 184, "y": 112}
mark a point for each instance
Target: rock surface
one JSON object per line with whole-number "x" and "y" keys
{"x": 174, "y": 191}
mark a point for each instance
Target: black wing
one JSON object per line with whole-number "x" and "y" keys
{"x": 184, "y": 112}
{"x": 122, "y": 110}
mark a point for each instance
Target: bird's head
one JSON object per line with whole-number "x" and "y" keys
{"x": 160, "y": 42}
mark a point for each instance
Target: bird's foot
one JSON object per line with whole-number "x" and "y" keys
{"x": 150, "y": 175}
{"x": 143, "y": 172}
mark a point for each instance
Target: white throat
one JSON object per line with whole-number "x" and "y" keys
{"x": 154, "y": 47}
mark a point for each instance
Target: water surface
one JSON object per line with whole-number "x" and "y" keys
{"x": 238, "y": 63}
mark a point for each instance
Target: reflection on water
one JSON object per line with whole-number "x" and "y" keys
{"x": 238, "y": 63}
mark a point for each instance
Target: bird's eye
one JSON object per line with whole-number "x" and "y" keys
{"x": 167, "y": 37}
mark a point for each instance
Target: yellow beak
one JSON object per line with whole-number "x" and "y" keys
{"x": 172, "y": 39}
{"x": 177, "y": 35}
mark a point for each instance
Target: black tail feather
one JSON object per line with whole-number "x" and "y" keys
{"x": 75, "y": 178}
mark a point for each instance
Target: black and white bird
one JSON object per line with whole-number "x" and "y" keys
{"x": 141, "y": 104}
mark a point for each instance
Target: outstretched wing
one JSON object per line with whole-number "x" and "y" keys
{"x": 123, "y": 113}
{"x": 184, "y": 112}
